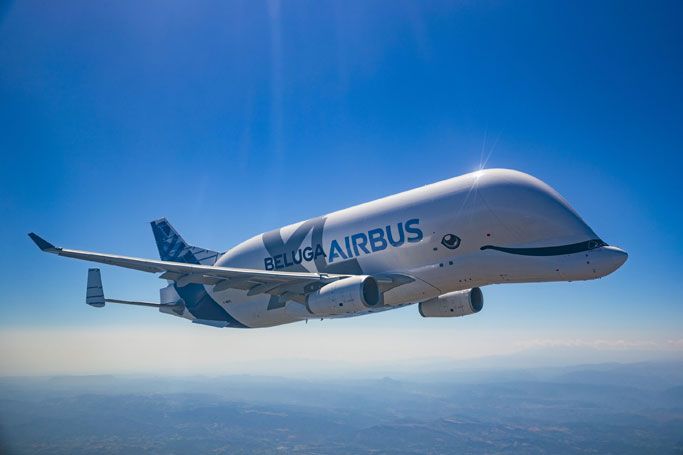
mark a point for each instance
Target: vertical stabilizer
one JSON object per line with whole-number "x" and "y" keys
{"x": 193, "y": 298}
{"x": 94, "y": 294}
{"x": 172, "y": 247}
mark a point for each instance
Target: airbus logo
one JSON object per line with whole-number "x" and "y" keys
{"x": 351, "y": 246}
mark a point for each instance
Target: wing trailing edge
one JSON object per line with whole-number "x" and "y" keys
{"x": 186, "y": 273}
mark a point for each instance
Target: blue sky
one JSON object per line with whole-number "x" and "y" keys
{"x": 231, "y": 119}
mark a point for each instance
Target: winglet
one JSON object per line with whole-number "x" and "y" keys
{"x": 43, "y": 244}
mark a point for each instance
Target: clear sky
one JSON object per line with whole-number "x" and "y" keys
{"x": 233, "y": 118}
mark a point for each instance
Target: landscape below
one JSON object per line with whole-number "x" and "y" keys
{"x": 606, "y": 408}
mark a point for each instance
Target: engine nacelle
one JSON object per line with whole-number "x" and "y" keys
{"x": 348, "y": 295}
{"x": 459, "y": 303}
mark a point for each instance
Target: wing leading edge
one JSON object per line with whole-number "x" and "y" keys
{"x": 292, "y": 285}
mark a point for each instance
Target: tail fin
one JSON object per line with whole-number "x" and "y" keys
{"x": 94, "y": 295}
{"x": 173, "y": 248}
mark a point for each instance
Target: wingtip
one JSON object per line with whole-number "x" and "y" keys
{"x": 43, "y": 244}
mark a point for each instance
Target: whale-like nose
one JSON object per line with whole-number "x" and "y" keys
{"x": 611, "y": 258}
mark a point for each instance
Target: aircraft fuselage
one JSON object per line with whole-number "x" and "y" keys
{"x": 488, "y": 227}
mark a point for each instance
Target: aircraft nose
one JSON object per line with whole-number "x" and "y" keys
{"x": 614, "y": 257}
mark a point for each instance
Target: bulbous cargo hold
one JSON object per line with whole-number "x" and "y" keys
{"x": 453, "y": 304}
{"x": 348, "y": 295}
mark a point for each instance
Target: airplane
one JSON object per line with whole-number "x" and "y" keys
{"x": 436, "y": 246}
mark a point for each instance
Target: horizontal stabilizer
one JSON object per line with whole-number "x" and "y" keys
{"x": 95, "y": 294}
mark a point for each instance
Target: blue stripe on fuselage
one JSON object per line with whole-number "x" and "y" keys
{"x": 200, "y": 304}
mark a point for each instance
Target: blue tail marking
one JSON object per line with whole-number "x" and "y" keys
{"x": 172, "y": 247}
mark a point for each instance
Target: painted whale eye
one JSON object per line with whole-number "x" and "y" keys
{"x": 450, "y": 241}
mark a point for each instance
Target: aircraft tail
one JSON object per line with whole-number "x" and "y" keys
{"x": 172, "y": 247}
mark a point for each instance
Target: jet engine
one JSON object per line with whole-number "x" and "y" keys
{"x": 458, "y": 303}
{"x": 348, "y": 295}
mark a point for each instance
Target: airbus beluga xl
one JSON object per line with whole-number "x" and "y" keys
{"x": 434, "y": 246}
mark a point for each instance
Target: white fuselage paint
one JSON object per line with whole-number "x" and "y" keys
{"x": 496, "y": 207}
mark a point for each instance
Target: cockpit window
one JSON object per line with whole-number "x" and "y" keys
{"x": 550, "y": 250}
{"x": 597, "y": 243}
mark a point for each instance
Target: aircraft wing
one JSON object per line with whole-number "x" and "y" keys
{"x": 290, "y": 285}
